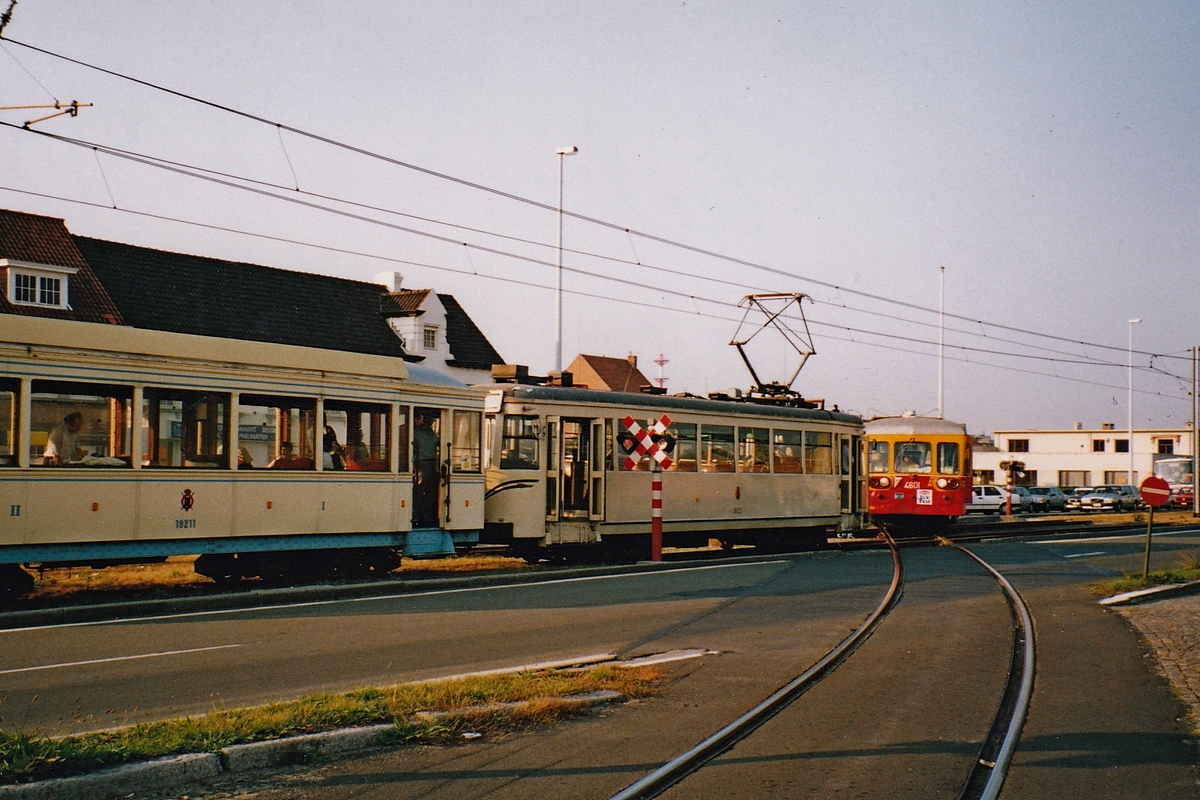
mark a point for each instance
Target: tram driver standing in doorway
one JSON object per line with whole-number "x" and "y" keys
{"x": 425, "y": 470}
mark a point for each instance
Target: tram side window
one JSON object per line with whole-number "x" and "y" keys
{"x": 683, "y": 458}
{"x": 277, "y": 432}
{"x": 361, "y": 436}
{"x": 464, "y": 441}
{"x": 786, "y": 449}
{"x": 753, "y": 450}
{"x": 9, "y": 397}
{"x": 818, "y": 453}
{"x": 716, "y": 448}
{"x": 629, "y": 448}
{"x": 913, "y": 457}
{"x": 947, "y": 453}
{"x": 519, "y": 445}
{"x": 185, "y": 429}
{"x": 877, "y": 456}
{"x": 81, "y": 424}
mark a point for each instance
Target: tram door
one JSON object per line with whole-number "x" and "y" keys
{"x": 847, "y": 472}
{"x": 568, "y": 468}
{"x": 427, "y": 467}
{"x": 599, "y": 456}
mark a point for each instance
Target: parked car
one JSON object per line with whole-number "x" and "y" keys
{"x": 1183, "y": 498}
{"x": 987, "y": 499}
{"x": 1075, "y": 497}
{"x": 1048, "y": 498}
{"x": 1022, "y": 500}
{"x": 1113, "y": 497}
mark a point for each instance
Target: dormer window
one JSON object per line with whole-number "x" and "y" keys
{"x": 30, "y": 284}
{"x": 431, "y": 337}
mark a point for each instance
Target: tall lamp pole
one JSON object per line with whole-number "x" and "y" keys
{"x": 1132, "y": 322}
{"x": 562, "y": 151}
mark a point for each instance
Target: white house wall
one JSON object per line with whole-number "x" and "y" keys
{"x": 1053, "y": 451}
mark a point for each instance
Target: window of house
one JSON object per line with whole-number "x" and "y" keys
{"x": 1018, "y": 445}
{"x": 787, "y": 447}
{"x": 519, "y": 445}
{"x": 1120, "y": 446}
{"x": 284, "y": 432}
{"x": 1026, "y": 477}
{"x": 985, "y": 476}
{"x": 1098, "y": 445}
{"x": 430, "y": 341}
{"x": 683, "y": 458}
{"x": 716, "y": 448}
{"x": 36, "y": 284}
{"x": 1074, "y": 477}
{"x": 754, "y": 451}
{"x": 86, "y": 424}
{"x": 1166, "y": 446}
{"x": 818, "y": 453}
{"x": 357, "y": 436}
{"x": 1116, "y": 476}
{"x": 185, "y": 428}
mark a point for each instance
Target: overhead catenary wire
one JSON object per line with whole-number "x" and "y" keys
{"x": 538, "y": 204}
{"x": 578, "y": 293}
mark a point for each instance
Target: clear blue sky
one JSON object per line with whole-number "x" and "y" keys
{"x": 1045, "y": 154}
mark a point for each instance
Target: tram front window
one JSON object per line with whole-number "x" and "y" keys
{"x": 80, "y": 424}
{"x": 519, "y": 445}
{"x": 186, "y": 429}
{"x": 947, "y": 458}
{"x": 913, "y": 457}
{"x": 877, "y": 457}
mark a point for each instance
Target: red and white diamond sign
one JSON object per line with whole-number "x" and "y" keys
{"x": 645, "y": 442}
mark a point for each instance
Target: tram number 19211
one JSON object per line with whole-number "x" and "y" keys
{"x": 184, "y": 523}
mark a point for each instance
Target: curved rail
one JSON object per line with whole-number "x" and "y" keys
{"x": 675, "y": 769}
{"x": 991, "y": 767}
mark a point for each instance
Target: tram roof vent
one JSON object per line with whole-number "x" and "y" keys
{"x": 510, "y": 373}
{"x": 561, "y": 378}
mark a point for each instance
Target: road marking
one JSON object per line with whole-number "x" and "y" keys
{"x": 432, "y": 593}
{"x": 1141, "y": 535}
{"x": 1085, "y": 555}
{"x": 118, "y": 658}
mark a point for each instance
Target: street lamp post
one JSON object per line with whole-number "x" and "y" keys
{"x": 562, "y": 151}
{"x": 1132, "y": 322}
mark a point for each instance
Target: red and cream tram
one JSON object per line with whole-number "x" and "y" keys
{"x": 919, "y": 473}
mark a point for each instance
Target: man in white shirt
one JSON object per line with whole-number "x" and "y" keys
{"x": 63, "y": 444}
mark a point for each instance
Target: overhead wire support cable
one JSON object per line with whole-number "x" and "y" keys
{"x": 535, "y": 203}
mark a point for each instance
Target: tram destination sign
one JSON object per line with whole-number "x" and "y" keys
{"x": 1155, "y": 491}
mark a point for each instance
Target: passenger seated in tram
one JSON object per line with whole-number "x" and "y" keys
{"x": 63, "y": 443}
{"x": 331, "y": 451}
{"x": 287, "y": 459}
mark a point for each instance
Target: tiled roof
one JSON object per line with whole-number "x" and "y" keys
{"x": 404, "y": 303}
{"x": 207, "y": 296}
{"x": 468, "y": 346}
{"x": 46, "y": 240}
{"x": 613, "y": 374}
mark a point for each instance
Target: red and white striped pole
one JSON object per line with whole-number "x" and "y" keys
{"x": 655, "y": 510}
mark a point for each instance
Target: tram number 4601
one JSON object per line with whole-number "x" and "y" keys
{"x": 184, "y": 523}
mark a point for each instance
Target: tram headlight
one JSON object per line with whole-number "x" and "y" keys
{"x": 942, "y": 483}
{"x": 881, "y": 482}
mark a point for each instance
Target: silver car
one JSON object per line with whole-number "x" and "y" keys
{"x": 1113, "y": 497}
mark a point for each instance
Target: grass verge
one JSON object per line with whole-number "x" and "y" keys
{"x": 1186, "y": 568}
{"x": 28, "y": 757}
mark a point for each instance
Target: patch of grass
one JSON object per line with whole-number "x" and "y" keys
{"x": 27, "y": 757}
{"x": 1186, "y": 568}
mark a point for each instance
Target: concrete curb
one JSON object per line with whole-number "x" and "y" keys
{"x": 162, "y": 773}
{"x": 167, "y": 773}
{"x": 232, "y": 601}
{"x": 1152, "y": 594}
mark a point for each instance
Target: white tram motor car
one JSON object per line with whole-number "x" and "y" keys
{"x": 119, "y": 444}
{"x": 777, "y": 477}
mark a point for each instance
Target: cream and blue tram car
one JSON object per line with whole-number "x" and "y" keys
{"x": 264, "y": 459}
{"x": 557, "y": 477}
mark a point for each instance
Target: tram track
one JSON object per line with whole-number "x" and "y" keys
{"x": 989, "y": 769}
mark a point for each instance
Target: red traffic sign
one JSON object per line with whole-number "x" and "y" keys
{"x": 1155, "y": 491}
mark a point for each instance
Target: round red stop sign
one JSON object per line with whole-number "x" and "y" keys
{"x": 1155, "y": 491}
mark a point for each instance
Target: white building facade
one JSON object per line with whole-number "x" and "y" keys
{"x": 1079, "y": 457}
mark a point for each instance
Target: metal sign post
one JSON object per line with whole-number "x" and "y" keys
{"x": 656, "y": 444}
{"x": 1156, "y": 492}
